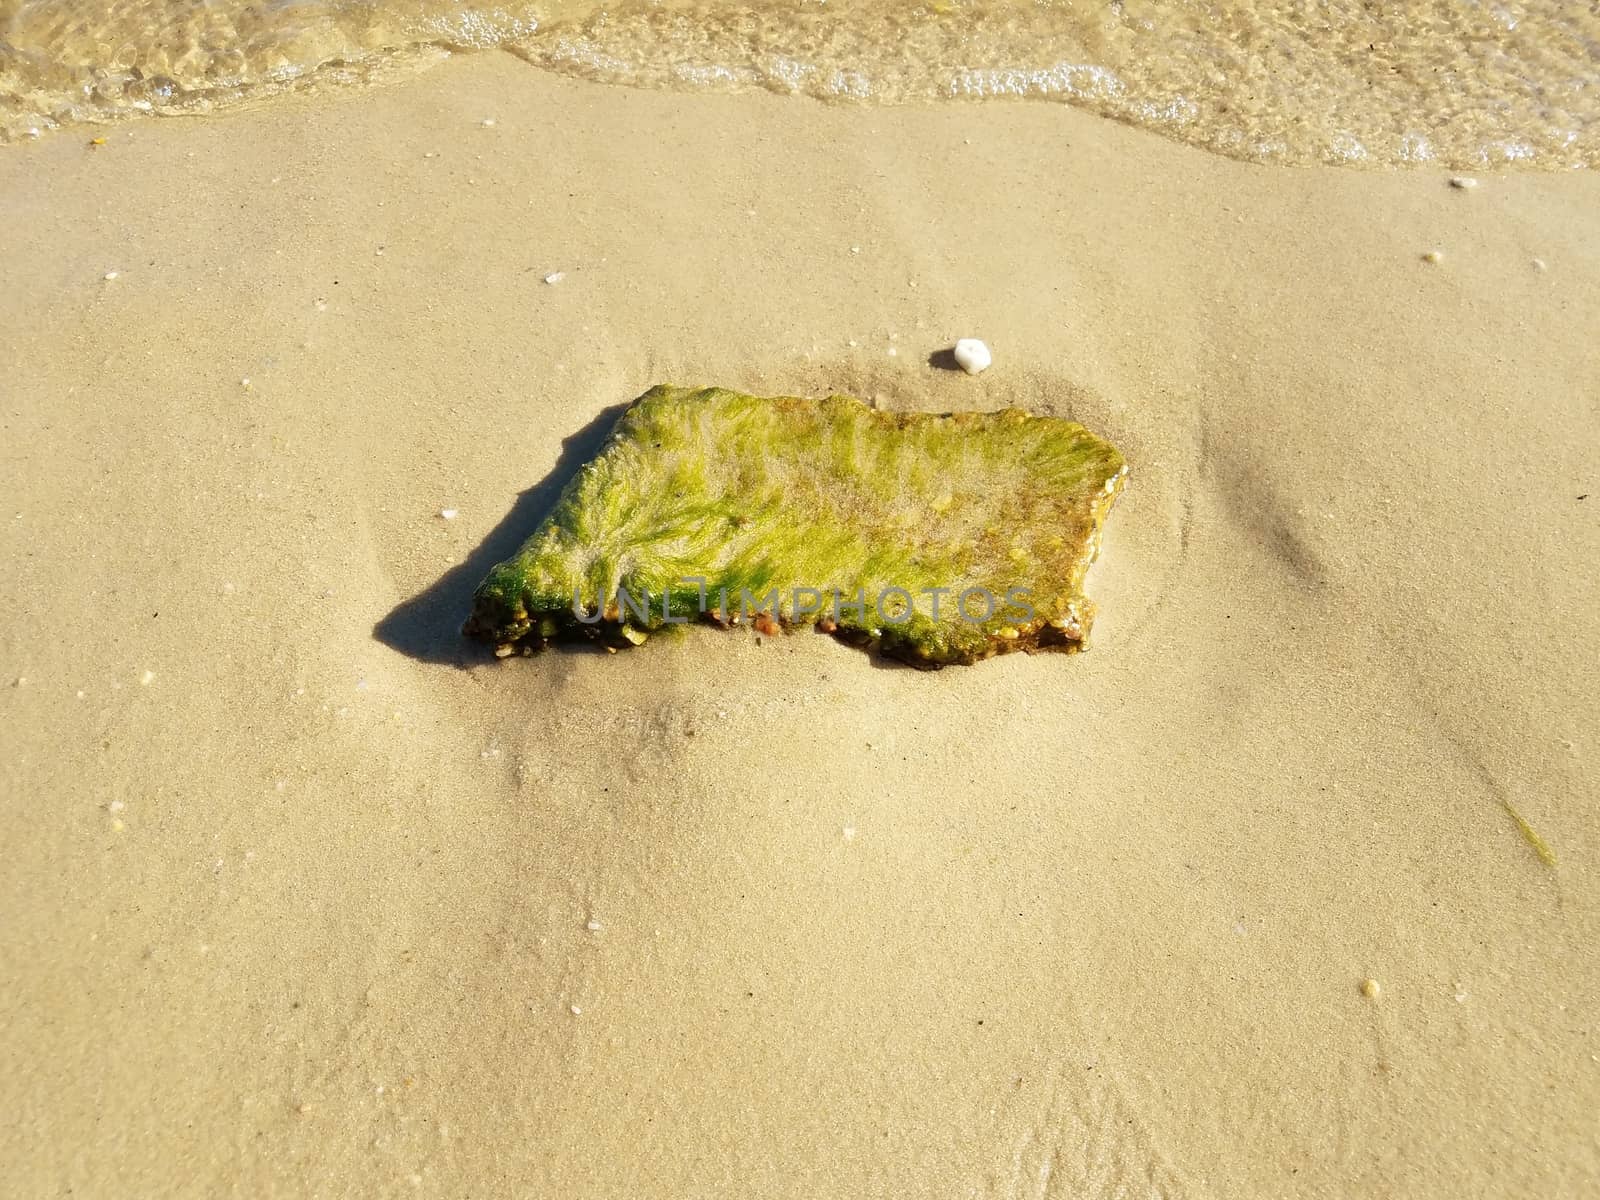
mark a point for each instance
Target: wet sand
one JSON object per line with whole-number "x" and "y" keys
{"x": 299, "y": 889}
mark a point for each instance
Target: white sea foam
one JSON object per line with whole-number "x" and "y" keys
{"x": 1445, "y": 82}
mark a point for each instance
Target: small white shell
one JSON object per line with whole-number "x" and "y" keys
{"x": 972, "y": 355}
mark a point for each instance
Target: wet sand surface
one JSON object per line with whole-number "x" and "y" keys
{"x": 304, "y": 896}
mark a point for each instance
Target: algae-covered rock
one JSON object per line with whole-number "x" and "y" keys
{"x": 941, "y": 539}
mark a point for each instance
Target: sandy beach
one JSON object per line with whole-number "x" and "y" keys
{"x": 304, "y": 895}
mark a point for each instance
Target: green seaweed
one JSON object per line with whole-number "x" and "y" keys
{"x": 1530, "y": 835}
{"x": 768, "y": 501}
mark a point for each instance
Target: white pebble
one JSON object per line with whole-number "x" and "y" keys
{"x": 592, "y": 925}
{"x": 555, "y": 277}
{"x": 110, "y": 275}
{"x": 488, "y": 122}
{"x": 147, "y": 678}
{"x": 1538, "y": 264}
{"x": 849, "y": 833}
{"x": 972, "y": 355}
{"x": 576, "y": 1011}
{"x": 1433, "y": 256}
{"x": 449, "y": 514}
{"x": 1463, "y": 182}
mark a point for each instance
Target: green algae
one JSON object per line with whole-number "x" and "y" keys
{"x": 1530, "y": 835}
{"x": 938, "y": 538}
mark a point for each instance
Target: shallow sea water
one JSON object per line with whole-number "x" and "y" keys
{"x": 1451, "y": 82}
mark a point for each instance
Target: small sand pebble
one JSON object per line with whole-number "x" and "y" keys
{"x": 555, "y": 277}
{"x": 110, "y": 275}
{"x": 1463, "y": 182}
{"x": 1538, "y": 264}
{"x": 576, "y": 1011}
{"x": 849, "y": 833}
{"x": 449, "y": 514}
{"x": 1433, "y": 256}
{"x": 593, "y": 925}
{"x": 972, "y": 356}
{"x": 1371, "y": 989}
{"x": 487, "y": 122}
{"x": 147, "y": 678}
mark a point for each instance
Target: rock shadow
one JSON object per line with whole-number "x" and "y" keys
{"x": 427, "y": 627}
